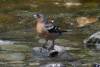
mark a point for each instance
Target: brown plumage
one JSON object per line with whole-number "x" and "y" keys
{"x": 46, "y": 30}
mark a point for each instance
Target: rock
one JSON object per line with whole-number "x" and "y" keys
{"x": 44, "y": 54}
{"x": 96, "y": 65}
{"x": 54, "y": 65}
{"x": 93, "y": 41}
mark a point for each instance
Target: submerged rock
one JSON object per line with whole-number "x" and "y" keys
{"x": 96, "y": 65}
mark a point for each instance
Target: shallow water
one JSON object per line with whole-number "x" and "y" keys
{"x": 16, "y": 45}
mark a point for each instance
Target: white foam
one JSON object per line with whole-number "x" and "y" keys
{"x": 6, "y": 42}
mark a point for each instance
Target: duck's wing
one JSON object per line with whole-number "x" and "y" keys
{"x": 51, "y": 28}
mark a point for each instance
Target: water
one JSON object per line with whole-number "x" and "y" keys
{"x": 19, "y": 38}
{"x": 6, "y": 42}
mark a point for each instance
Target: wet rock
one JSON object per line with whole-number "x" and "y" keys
{"x": 93, "y": 41}
{"x": 44, "y": 54}
{"x": 96, "y": 65}
{"x": 54, "y": 65}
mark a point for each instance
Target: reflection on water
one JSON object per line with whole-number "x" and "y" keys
{"x": 19, "y": 54}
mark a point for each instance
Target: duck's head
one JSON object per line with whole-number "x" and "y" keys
{"x": 38, "y": 15}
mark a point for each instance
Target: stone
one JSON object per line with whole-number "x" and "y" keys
{"x": 93, "y": 41}
{"x": 44, "y": 54}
